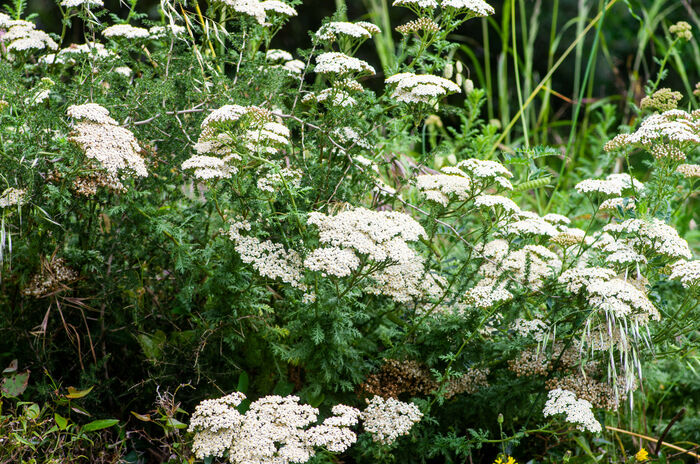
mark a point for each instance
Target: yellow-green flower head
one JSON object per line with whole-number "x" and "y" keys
{"x": 681, "y": 30}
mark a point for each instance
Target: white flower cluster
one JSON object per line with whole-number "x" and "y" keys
{"x": 126, "y": 31}
{"x": 416, "y": 3}
{"x": 340, "y": 262}
{"x": 284, "y": 60}
{"x": 274, "y": 430}
{"x": 619, "y": 252}
{"x": 420, "y": 88}
{"x": 651, "y": 237}
{"x": 570, "y": 236}
{"x": 388, "y": 419}
{"x": 688, "y": 272}
{"x": 380, "y": 237}
{"x": 276, "y": 55}
{"x": 578, "y": 411}
{"x": 487, "y": 294}
{"x": 499, "y": 202}
{"x": 615, "y": 203}
{"x": 530, "y": 266}
{"x": 333, "y": 96}
{"x": 621, "y": 299}
{"x": 100, "y": 138}
{"x": 528, "y": 223}
{"x": 473, "y": 8}
{"x": 23, "y": 36}
{"x": 12, "y": 196}
{"x": 341, "y": 64}
{"x": 159, "y": 32}
{"x": 535, "y": 328}
{"x": 440, "y": 187}
{"x": 580, "y": 278}
{"x": 247, "y": 128}
{"x": 79, "y": 3}
{"x": 349, "y": 136}
{"x": 485, "y": 173}
{"x": 261, "y": 9}
{"x": 269, "y": 259}
{"x": 276, "y": 180}
{"x": 689, "y": 170}
{"x": 665, "y": 135}
{"x": 467, "y": 179}
{"x": 614, "y": 296}
{"x": 614, "y": 184}
{"x": 92, "y": 49}
{"x": 335, "y": 29}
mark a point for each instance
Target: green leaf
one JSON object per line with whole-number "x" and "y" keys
{"x": 243, "y": 381}
{"x": 142, "y": 417}
{"x": 32, "y": 411}
{"x": 61, "y": 421}
{"x": 14, "y": 385}
{"x": 99, "y": 424}
{"x": 74, "y": 393}
{"x": 152, "y": 345}
{"x": 174, "y": 423}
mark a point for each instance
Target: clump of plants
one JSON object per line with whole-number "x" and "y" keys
{"x": 329, "y": 262}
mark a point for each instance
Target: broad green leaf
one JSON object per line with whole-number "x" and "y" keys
{"x": 15, "y": 384}
{"x": 172, "y": 422}
{"x": 74, "y": 393}
{"x": 243, "y": 380}
{"x": 61, "y": 421}
{"x": 32, "y": 411}
{"x": 99, "y": 425}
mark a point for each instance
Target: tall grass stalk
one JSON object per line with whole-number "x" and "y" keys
{"x": 552, "y": 70}
{"x": 568, "y": 164}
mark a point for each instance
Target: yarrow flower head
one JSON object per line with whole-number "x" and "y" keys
{"x": 689, "y": 171}
{"x": 388, "y": 419}
{"x": 668, "y": 134}
{"x": 428, "y": 4}
{"x": 578, "y": 411}
{"x": 614, "y": 184}
{"x": 420, "y": 88}
{"x": 474, "y": 8}
{"x": 126, "y": 31}
{"x": 682, "y": 30}
{"x": 12, "y": 196}
{"x": 422, "y": 24}
{"x": 259, "y": 10}
{"x": 100, "y": 138}
{"x": 268, "y": 258}
{"x": 687, "y": 272}
{"x": 341, "y": 64}
{"x": 230, "y": 131}
{"x": 662, "y": 100}
{"x": 441, "y": 187}
{"x": 334, "y": 30}
{"x": 651, "y": 238}
{"x": 274, "y": 430}
{"x": 79, "y": 3}
{"x": 22, "y": 36}
{"x": 380, "y": 237}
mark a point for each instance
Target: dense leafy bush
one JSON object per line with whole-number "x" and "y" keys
{"x": 357, "y": 275}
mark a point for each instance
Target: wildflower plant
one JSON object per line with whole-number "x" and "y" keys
{"x": 288, "y": 226}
